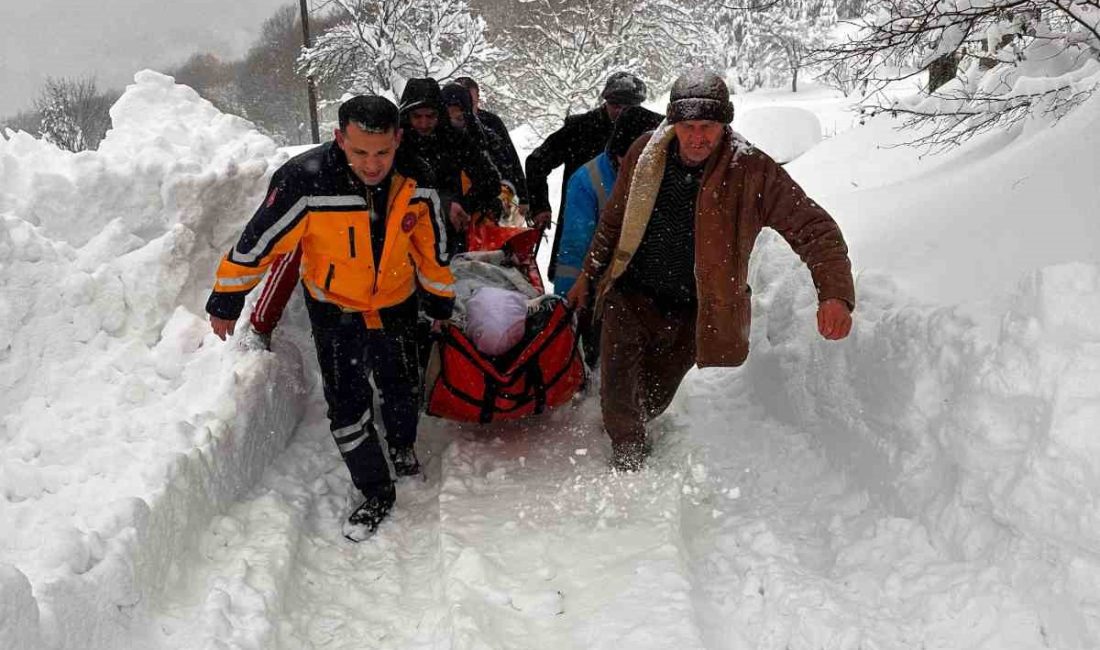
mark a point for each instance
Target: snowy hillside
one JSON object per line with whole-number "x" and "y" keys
{"x": 931, "y": 482}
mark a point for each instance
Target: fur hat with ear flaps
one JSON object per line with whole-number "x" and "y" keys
{"x": 699, "y": 95}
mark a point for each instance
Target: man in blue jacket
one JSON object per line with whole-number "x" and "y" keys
{"x": 585, "y": 194}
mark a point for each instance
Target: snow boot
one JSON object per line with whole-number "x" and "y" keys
{"x": 629, "y": 456}
{"x": 364, "y": 520}
{"x": 405, "y": 462}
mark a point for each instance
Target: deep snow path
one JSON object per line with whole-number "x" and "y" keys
{"x": 518, "y": 538}
{"x": 545, "y": 548}
{"x": 275, "y": 571}
{"x": 738, "y": 535}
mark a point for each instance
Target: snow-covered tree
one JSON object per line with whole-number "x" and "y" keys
{"x": 796, "y": 29}
{"x": 563, "y": 52}
{"x": 733, "y": 43}
{"x": 764, "y": 42}
{"x": 1014, "y": 58}
{"x": 74, "y": 114}
{"x": 379, "y": 44}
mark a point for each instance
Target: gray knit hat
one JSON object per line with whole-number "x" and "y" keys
{"x": 625, "y": 89}
{"x": 699, "y": 95}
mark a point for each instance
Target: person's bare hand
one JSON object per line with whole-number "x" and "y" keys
{"x": 459, "y": 218}
{"x": 222, "y": 327}
{"x": 578, "y": 295}
{"x": 541, "y": 219}
{"x": 834, "y": 320}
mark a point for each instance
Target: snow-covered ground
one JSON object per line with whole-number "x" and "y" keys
{"x": 931, "y": 482}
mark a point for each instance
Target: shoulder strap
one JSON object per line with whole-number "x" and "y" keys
{"x": 594, "y": 175}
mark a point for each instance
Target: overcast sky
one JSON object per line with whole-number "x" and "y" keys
{"x": 113, "y": 39}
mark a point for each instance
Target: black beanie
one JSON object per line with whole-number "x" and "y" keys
{"x": 632, "y": 123}
{"x": 700, "y": 95}
{"x": 625, "y": 89}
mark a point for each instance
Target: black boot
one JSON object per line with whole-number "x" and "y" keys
{"x": 629, "y": 456}
{"x": 405, "y": 462}
{"x": 365, "y": 519}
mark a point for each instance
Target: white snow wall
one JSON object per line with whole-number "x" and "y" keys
{"x": 106, "y": 259}
{"x": 992, "y": 444}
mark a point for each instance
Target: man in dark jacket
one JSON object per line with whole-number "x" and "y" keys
{"x": 429, "y": 135}
{"x": 670, "y": 258}
{"x": 460, "y": 112}
{"x": 579, "y": 140}
{"x": 586, "y": 195}
{"x": 493, "y": 122}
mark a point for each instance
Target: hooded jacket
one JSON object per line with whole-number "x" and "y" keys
{"x": 492, "y": 122}
{"x": 450, "y": 154}
{"x": 508, "y": 165}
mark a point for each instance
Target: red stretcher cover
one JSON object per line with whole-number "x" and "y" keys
{"x": 467, "y": 386}
{"x": 546, "y": 371}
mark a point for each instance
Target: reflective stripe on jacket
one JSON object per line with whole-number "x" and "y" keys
{"x": 315, "y": 200}
{"x": 585, "y": 196}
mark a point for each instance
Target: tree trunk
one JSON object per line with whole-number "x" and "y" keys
{"x": 794, "y": 59}
{"x": 942, "y": 70}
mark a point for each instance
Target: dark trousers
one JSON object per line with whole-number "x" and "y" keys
{"x": 588, "y": 330}
{"x": 647, "y": 349}
{"x": 349, "y": 354}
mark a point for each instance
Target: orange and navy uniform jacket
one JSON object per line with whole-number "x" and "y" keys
{"x": 315, "y": 201}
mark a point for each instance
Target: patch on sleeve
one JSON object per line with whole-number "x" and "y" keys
{"x": 408, "y": 222}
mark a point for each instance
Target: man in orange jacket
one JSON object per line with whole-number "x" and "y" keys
{"x": 369, "y": 235}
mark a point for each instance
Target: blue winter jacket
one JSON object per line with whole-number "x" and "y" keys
{"x": 585, "y": 195}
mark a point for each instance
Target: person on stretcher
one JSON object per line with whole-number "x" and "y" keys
{"x": 496, "y": 306}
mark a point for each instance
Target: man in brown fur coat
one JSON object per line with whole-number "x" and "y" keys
{"x": 669, "y": 260}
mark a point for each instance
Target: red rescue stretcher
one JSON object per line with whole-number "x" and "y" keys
{"x": 543, "y": 371}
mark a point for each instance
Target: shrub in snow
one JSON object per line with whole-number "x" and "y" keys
{"x": 73, "y": 113}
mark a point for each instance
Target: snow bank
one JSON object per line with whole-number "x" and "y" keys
{"x": 991, "y": 445}
{"x": 978, "y": 419}
{"x": 168, "y": 159}
{"x": 964, "y": 226}
{"x": 782, "y": 132}
{"x": 124, "y": 424}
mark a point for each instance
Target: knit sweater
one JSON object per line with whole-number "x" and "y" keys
{"x": 664, "y": 264}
